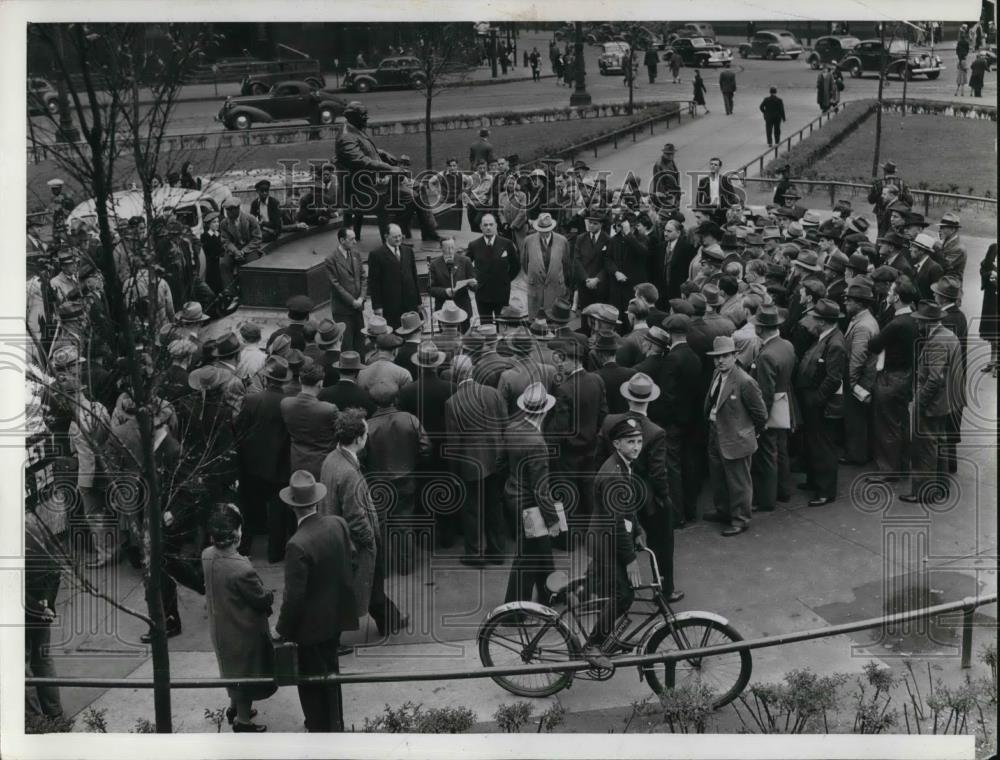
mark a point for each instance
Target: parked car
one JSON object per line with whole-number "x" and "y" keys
{"x": 699, "y": 51}
{"x": 42, "y": 96}
{"x": 287, "y": 101}
{"x": 398, "y": 71}
{"x": 190, "y": 206}
{"x": 772, "y": 43}
{"x": 259, "y": 84}
{"x": 613, "y": 57}
{"x": 830, "y": 50}
{"x": 600, "y": 33}
{"x": 867, "y": 57}
{"x": 691, "y": 29}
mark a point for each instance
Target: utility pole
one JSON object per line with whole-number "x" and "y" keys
{"x": 67, "y": 130}
{"x": 580, "y": 96}
{"x": 878, "y": 105}
{"x": 493, "y": 52}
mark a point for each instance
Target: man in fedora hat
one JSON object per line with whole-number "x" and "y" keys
{"x": 678, "y": 254}
{"x": 895, "y": 347}
{"x": 526, "y": 460}
{"x": 495, "y": 264}
{"x": 736, "y": 418}
{"x": 834, "y": 276}
{"x": 452, "y": 323}
{"x": 560, "y": 314}
{"x": 926, "y": 271}
{"x": 452, "y": 278}
{"x": 526, "y": 367}
{"x": 326, "y": 349}
{"x": 665, "y": 185}
{"x": 951, "y": 253}
{"x": 879, "y": 194}
{"x": 346, "y": 393}
{"x": 411, "y": 330}
{"x": 893, "y": 250}
{"x": 318, "y": 602}
{"x": 819, "y": 383}
{"x": 382, "y": 365}
{"x": 548, "y": 265}
{"x": 772, "y": 370}
{"x": 605, "y": 349}
{"x": 263, "y": 444}
{"x": 348, "y": 286}
{"x": 947, "y": 294}
{"x": 225, "y": 356}
{"x": 860, "y": 381}
{"x": 474, "y": 420}
{"x": 654, "y": 511}
{"x": 309, "y": 421}
{"x": 938, "y": 379}
{"x": 913, "y": 224}
{"x": 489, "y": 363}
{"x": 267, "y": 211}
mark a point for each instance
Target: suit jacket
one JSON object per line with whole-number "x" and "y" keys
{"x": 860, "y": 361}
{"x": 443, "y": 277}
{"x": 319, "y": 599}
{"x": 951, "y": 256}
{"x": 273, "y": 213}
{"x": 384, "y": 370}
{"x": 392, "y": 283}
{"x": 494, "y": 267}
{"x": 773, "y": 108}
{"x": 651, "y": 464}
{"x": 592, "y": 259}
{"x": 527, "y": 465}
{"x": 348, "y": 281}
{"x": 925, "y": 275}
{"x": 523, "y": 371}
{"x": 613, "y": 480}
{"x": 773, "y": 370}
{"x": 310, "y": 424}
{"x": 727, "y": 193}
{"x": 630, "y": 256}
{"x": 632, "y": 349}
{"x": 425, "y": 399}
{"x": 489, "y": 367}
{"x": 262, "y": 437}
{"x": 940, "y": 380}
{"x": 675, "y": 268}
{"x": 403, "y": 355}
{"x": 241, "y": 236}
{"x": 727, "y": 81}
{"x": 901, "y": 262}
{"x": 345, "y": 394}
{"x": 679, "y": 377}
{"x": 474, "y": 418}
{"x": 546, "y": 285}
{"x": 575, "y": 420}
{"x": 821, "y": 375}
{"x": 613, "y": 377}
{"x": 347, "y": 496}
{"x": 396, "y": 440}
{"x": 740, "y": 413}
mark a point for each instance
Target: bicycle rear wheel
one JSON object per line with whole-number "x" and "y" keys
{"x": 725, "y": 674}
{"x": 505, "y": 642}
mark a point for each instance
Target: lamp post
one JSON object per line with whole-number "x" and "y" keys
{"x": 67, "y": 130}
{"x": 580, "y": 96}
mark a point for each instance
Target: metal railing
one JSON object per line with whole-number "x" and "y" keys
{"x": 966, "y": 606}
{"x": 772, "y": 153}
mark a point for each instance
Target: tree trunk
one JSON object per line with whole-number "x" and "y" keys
{"x": 878, "y": 108}
{"x": 427, "y": 128}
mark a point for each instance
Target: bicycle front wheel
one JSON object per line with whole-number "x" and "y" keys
{"x": 521, "y": 637}
{"x": 725, "y": 674}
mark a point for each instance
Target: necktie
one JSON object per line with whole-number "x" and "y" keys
{"x": 489, "y": 242}
{"x": 546, "y": 253}
{"x": 395, "y": 252}
{"x": 715, "y": 391}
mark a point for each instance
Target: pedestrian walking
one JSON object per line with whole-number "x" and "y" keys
{"x": 988, "y": 330}
{"x": 569, "y": 69}
{"x": 651, "y": 59}
{"x": 535, "y": 59}
{"x": 727, "y": 83}
{"x": 675, "y": 63}
{"x": 699, "y": 91}
{"x": 961, "y": 77}
{"x": 978, "y": 75}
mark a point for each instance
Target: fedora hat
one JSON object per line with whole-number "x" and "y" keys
{"x": 899, "y": 207}
{"x": 792, "y": 193}
{"x": 206, "y": 378}
{"x": 520, "y": 341}
{"x": 730, "y": 242}
{"x": 795, "y": 231}
{"x": 560, "y": 312}
{"x": 924, "y": 241}
{"x": 349, "y": 360}
{"x": 915, "y": 219}
{"x": 388, "y": 341}
{"x": 859, "y": 292}
{"x": 376, "y": 326}
{"x": 191, "y": 314}
{"x": 709, "y": 228}
{"x": 807, "y": 260}
{"x": 831, "y": 228}
{"x": 858, "y": 224}
{"x": 771, "y": 233}
{"x": 410, "y": 322}
{"x": 535, "y": 400}
{"x": 449, "y": 313}
{"x": 226, "y": 346}
{"x": 827, "y": 309}
{"x": 302, "y": 490}
{"x": 713, "y": 296}
{"x": 640, "y": 387}
{"x": 329, "y": 332}
{"x": 512, "y": 315}
{"x": 681, "y": 306}
{"x": 837, "y": 262}
{"x": 713, "y": 252}
{"x": 948, "y": 287}
{"x": 950, "y": 219}
{"x": 888, "y": 166}
{"x": 65, "y": 357}
{"x": 428, "y": 355}
{"x": 544, "y": 223}
{"x": 658, "y": 337}
{"x": 885, "y": 273}
{"x": 858, "y": 262}
{"x": 606, "y": 341}
{"x": 606, "y": 313}
{"x": 811, "y": 219}
{"x": 276, "y": 368}
{"x": 722, "y": 344}
{"x": 767, "y": 316}
{"x": 894, "y": 239}
{"x": 928, "y": 312}
{"x": 540, "y": 328}
{"x": 486, "y": 331}
{"x": 596, "y": 215}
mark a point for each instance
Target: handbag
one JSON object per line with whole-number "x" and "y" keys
{"x": 286, "y": 663}
{"x": 780, "y": 416}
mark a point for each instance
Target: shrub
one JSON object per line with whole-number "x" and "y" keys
{"x": 94, "y": 721}
{"x": 510, "y": 718}
{"x": 143, "y": 726}
{"x": 552, "y": 718}
{"x": 411, "y": 718}
{"x": 43, "y": 724}
{"x": 803, "y": 155}
{"x": 792, "y": 707}
{"x": 216, "y": 718}
{"x": 686, "y": 709}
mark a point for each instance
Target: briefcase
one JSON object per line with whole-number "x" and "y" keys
{"x": 780, "y": 417}
{"x": 286, "y": 663}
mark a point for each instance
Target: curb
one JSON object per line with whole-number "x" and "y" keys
{"x": 473, "y": 83}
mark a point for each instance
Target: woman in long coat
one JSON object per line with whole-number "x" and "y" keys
{"x": 238, "y": 608}
{"x": 699, "y": 91}
{"x": 988, "y": 329}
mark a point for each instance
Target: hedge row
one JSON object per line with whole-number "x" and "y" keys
{"x": 805, "y": 154}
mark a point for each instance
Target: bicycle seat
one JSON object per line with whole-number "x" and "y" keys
{"x": 559, "y": 581}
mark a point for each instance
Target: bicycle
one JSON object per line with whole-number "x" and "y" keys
{"x": 528, "y": 632}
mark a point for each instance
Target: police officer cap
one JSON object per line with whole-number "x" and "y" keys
{"x": 627, "y": 427}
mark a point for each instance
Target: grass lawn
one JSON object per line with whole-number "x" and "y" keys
{"x": 932, "y": 152}
{"x": 528, "y": 141}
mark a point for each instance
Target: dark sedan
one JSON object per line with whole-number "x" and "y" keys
{"x": 830, "y": 50}
{"x": 868, "y": 56}
{"x": 398, "y": 71}
{"x": 287, "y": 101}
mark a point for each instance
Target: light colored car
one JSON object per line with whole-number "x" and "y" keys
{"x": 191, "y": 206}
{"x": 613, "y": 57}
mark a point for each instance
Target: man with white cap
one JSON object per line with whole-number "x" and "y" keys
{"x": 528, "y": 490}
{"x": 59, "y": 207}
{"x": 926, "y": 270}
{"x": 736, "y": 418}
{"x": 547, "y": 263}
{"x": 241, "y": 240}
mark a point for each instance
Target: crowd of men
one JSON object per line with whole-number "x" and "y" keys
{"x": 741, "y": 350}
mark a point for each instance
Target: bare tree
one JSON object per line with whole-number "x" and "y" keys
{"x": 122, "y": 92}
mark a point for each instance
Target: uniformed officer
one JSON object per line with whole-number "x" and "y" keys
{"x": 58, "y": 209}
{"x": 67, "y": 280}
